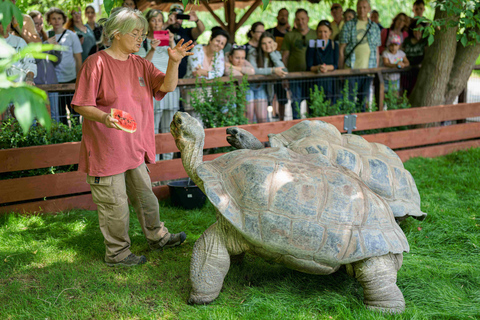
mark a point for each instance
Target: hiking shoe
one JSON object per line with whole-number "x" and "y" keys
{"x": 176, "y": 239}
{"x": 130, "y": 261}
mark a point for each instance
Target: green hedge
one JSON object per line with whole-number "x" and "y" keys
{"x": 11, "y": 136}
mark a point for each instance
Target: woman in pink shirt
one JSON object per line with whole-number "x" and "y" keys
{"x": 114, "y": 160}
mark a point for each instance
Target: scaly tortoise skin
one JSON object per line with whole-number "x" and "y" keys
{"x": 298, "y": 210}
{"x": 376, "y": 164}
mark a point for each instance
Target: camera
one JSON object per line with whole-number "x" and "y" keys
{"x": 182, "y": 16}
{"x": 316, "y": 43}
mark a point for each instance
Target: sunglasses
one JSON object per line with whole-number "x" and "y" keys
{"x": 238, "y": 47}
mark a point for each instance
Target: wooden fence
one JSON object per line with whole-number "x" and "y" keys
{"x": 70, "y": 190}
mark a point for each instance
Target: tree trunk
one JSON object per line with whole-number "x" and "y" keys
{"x": 462, "y": 69}
{"x": 436, "y": 67}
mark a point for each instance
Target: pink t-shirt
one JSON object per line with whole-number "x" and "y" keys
{"x": 105, "y": 83}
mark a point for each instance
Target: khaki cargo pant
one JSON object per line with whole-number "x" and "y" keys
{"x": 111, "y": 195}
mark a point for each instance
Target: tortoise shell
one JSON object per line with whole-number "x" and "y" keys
{"x": 300, "y": 209}
{"x": 376, "y": 164}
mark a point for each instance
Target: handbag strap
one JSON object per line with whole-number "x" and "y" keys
{"x": 356, "y": 45}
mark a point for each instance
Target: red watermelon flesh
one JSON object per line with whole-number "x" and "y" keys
{"x": 125, "y": 120}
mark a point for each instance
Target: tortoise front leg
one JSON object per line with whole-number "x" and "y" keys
{"x": 378, "y": 277}
{"x": 209, "y": 266}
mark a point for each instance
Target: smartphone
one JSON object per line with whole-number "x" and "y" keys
{"x": 51, "y": 33}
{"x": 183, "y": 16}
{"x": 162, "y": 36}
{"x": 316, "y": 43}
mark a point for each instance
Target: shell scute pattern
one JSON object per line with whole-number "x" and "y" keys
{"x": 287, "y": 203}
{"x": 376, "y": 164}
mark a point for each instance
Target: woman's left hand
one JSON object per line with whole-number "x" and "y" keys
{"x": 323, "y": 68}
{"x": 180, "y": 51}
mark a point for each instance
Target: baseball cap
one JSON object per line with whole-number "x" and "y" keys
{"x": 394, "y": 39}
{"x": 335, "y": 6}
{"x": 176, "y": 8}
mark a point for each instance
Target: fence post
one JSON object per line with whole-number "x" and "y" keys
{"x": 379, "y": 90}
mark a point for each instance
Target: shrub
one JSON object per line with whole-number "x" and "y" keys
{"x": 220, "y": 104}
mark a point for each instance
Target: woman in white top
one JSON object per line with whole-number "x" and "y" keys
{"x": 71, "y": 63}
{"x": 158, "y": 55}
{"x": 208, "y": 61}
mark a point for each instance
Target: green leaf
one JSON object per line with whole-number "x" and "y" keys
{"x": 184, "y": 2}
{"x": 265, "y": 4}
{"x": 464, "y": 40}
{"x": 108, "y": 4}
{"x": 6, "y": 14}
{"x": 430, "y": 39}
{"x": 9, "y": 10}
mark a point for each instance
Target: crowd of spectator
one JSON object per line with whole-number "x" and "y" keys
{"x": 353, "y": 39}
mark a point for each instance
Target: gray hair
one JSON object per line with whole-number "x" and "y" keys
{"x": 368, "y": 1}
{"x": 124, "y": 21}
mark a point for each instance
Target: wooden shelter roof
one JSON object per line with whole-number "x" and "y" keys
{"x": 230, "y": 24}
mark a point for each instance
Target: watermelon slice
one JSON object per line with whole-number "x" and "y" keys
{"x": 125, "y": 120}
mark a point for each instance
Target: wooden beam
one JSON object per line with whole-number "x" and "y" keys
{"x": 36, "y": 157}
{"x": 231, "y": 18}
{"x": 436, "y": 151}
{"x": 247, "y": 14}
{"x": 220, "y": 22}
{"x": 83, "y": 201}
{"x": 426, "y": 136}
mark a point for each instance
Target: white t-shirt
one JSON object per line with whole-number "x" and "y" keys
{"x": 394, "y": 59}
{"x": 160, "y": 57}
{"x": 22, "y": 67}
{"x": 66, "y": 70}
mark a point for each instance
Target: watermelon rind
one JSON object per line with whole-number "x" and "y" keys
{"x": 112, "y": 112}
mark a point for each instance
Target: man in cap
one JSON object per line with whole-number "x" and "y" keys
{"x": 175, "y": 26}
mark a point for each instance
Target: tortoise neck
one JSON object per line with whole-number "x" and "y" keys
{"x": 192, "y": 157}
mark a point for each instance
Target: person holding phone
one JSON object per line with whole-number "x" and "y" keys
{"x": 176, "y": 17}
{"x": 155, "y": 49}
{"x": 322, "y": 57}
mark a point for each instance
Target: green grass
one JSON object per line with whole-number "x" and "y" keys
{"x": 52, "y": 266}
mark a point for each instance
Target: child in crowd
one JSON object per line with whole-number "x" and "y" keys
{"x": 393, "y": 57}
{"x": 266, "y": 60}
{"x": 237, "y": 64}
{"x": 414, "y": 48}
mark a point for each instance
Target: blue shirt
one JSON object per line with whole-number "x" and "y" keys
{"x": 329, "y": 55}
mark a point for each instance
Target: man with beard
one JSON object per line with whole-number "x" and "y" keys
{"x": 175, "y": 26}
{"x": 282, "y": 27}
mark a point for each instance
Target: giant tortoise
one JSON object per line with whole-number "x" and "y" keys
{"x": 298, "y": 210}
{"x": 376, "y": 164}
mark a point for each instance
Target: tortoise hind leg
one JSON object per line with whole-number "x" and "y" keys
{"x": 209, "y": 266}
{"x": 378, "y": 277}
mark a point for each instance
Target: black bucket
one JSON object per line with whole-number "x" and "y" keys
{"x": 186, "y": 194}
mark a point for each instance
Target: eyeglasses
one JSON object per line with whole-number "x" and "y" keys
{"x": 138, "y": 37}
{"x": 238, "y": 47}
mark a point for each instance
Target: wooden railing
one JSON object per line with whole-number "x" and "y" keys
{"x": 64, "y": 191}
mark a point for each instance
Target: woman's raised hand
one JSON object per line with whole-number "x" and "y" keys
{"x": 180, "y": 51}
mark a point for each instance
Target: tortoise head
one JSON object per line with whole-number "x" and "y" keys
{"x": 186, "y": 130}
